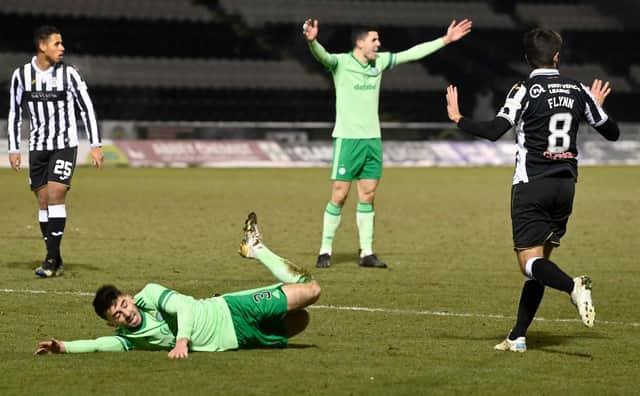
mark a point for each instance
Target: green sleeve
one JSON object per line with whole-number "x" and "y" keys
{"x": 419, "y": 51}
{"x": 385, "y": 60}
{"x": 102, "y": 344}
{"x": 180, "y": 305}
{"x": 330, "y": 61}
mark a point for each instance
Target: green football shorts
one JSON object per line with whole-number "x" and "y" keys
{"x": 356, "y": 159}
{"x": 258, "y": 316}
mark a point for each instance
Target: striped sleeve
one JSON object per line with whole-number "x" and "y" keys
{"x": 513, "y": 105}
{"x": 81, "y": 95}
{"x": 14, "y": 122}
{"x": 101, "y": 344}
{"x": 593, "y": 112}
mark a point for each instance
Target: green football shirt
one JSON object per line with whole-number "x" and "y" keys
{"x": 167, "y": 316}
{"x": 357, "y": 86}
{"x": 357, "y": 95}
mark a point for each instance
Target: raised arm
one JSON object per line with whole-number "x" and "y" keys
{"x": 310, "y": 32}
{"x": 455, "y": 32}
{"x": 601, "y": 121}
{"x": 101, "y": 344}
{"x": 491, "y": 130}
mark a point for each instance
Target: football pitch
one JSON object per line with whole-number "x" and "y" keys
{"x": 427, "y": 325}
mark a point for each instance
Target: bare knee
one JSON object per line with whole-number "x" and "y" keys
{"x": 340, "y": 192}
{"x": 523, "y": 267}
{"x": 367, "y": 196}
{"x": 367, "y": 190}
{"x": 43, "y": 203}
{"x": 301, "y": 295}
{"x": 43, "y": 197}
{"x": 339, "y": 196}
{"x": 525, "y": 255}
{"x": 56, "y": 193}
{"x": 314, "y": 292}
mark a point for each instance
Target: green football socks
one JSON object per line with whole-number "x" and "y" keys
{"x": 284, "y": 270}
{"x": 364, "y": 218}
{"x": 332, "y": 216}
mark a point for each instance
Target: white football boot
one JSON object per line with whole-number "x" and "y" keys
{"x": 581, "y": 298}
{"x": 252, "y": 240}
{"x": 517, "y": 345}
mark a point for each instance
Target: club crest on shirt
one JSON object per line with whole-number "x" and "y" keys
{"x": 536, "y": 90}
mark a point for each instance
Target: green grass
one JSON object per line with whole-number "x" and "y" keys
{"x": 445, "y": 233}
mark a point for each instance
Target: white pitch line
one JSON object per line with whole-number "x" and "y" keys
{"x": 73, "y": 293}
{"x": 364, "y": 309}
{"x": 460, "y": 314}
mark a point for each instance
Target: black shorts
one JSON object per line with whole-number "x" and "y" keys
{"x": 55, "y": 166}
{"x": 540, "y": 210}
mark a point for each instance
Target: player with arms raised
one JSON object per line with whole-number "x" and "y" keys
{"x": 546, "y": 110}
{"x": 357, "y": 145}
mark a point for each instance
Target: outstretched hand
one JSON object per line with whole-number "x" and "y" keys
{"x": 453, "y": 110}
{"x": 50, "y": 346}
{"x": 456, "y": 31}
{"x": 310, "y": 29}
{"x": 600, "y": 91}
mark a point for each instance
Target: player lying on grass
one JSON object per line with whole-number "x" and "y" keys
{"x": 158, "y": 318}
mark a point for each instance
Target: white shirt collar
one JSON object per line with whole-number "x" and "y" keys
{"x": 544, "y": 72}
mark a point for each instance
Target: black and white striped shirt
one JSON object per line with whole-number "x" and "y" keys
{"x": 50, "y": 97}
{"x": 546, "y": 110}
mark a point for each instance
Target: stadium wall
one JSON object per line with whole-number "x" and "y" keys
{"x": 288, "y": 145}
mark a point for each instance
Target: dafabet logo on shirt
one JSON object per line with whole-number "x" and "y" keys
{"x": 365, "y": 85}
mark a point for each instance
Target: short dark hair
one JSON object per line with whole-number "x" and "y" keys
{"x": 105, "y": 297}
{"x": 541, "y": 45}
{"x": 360, "y": 33}
{"x": 42, "y": 33}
